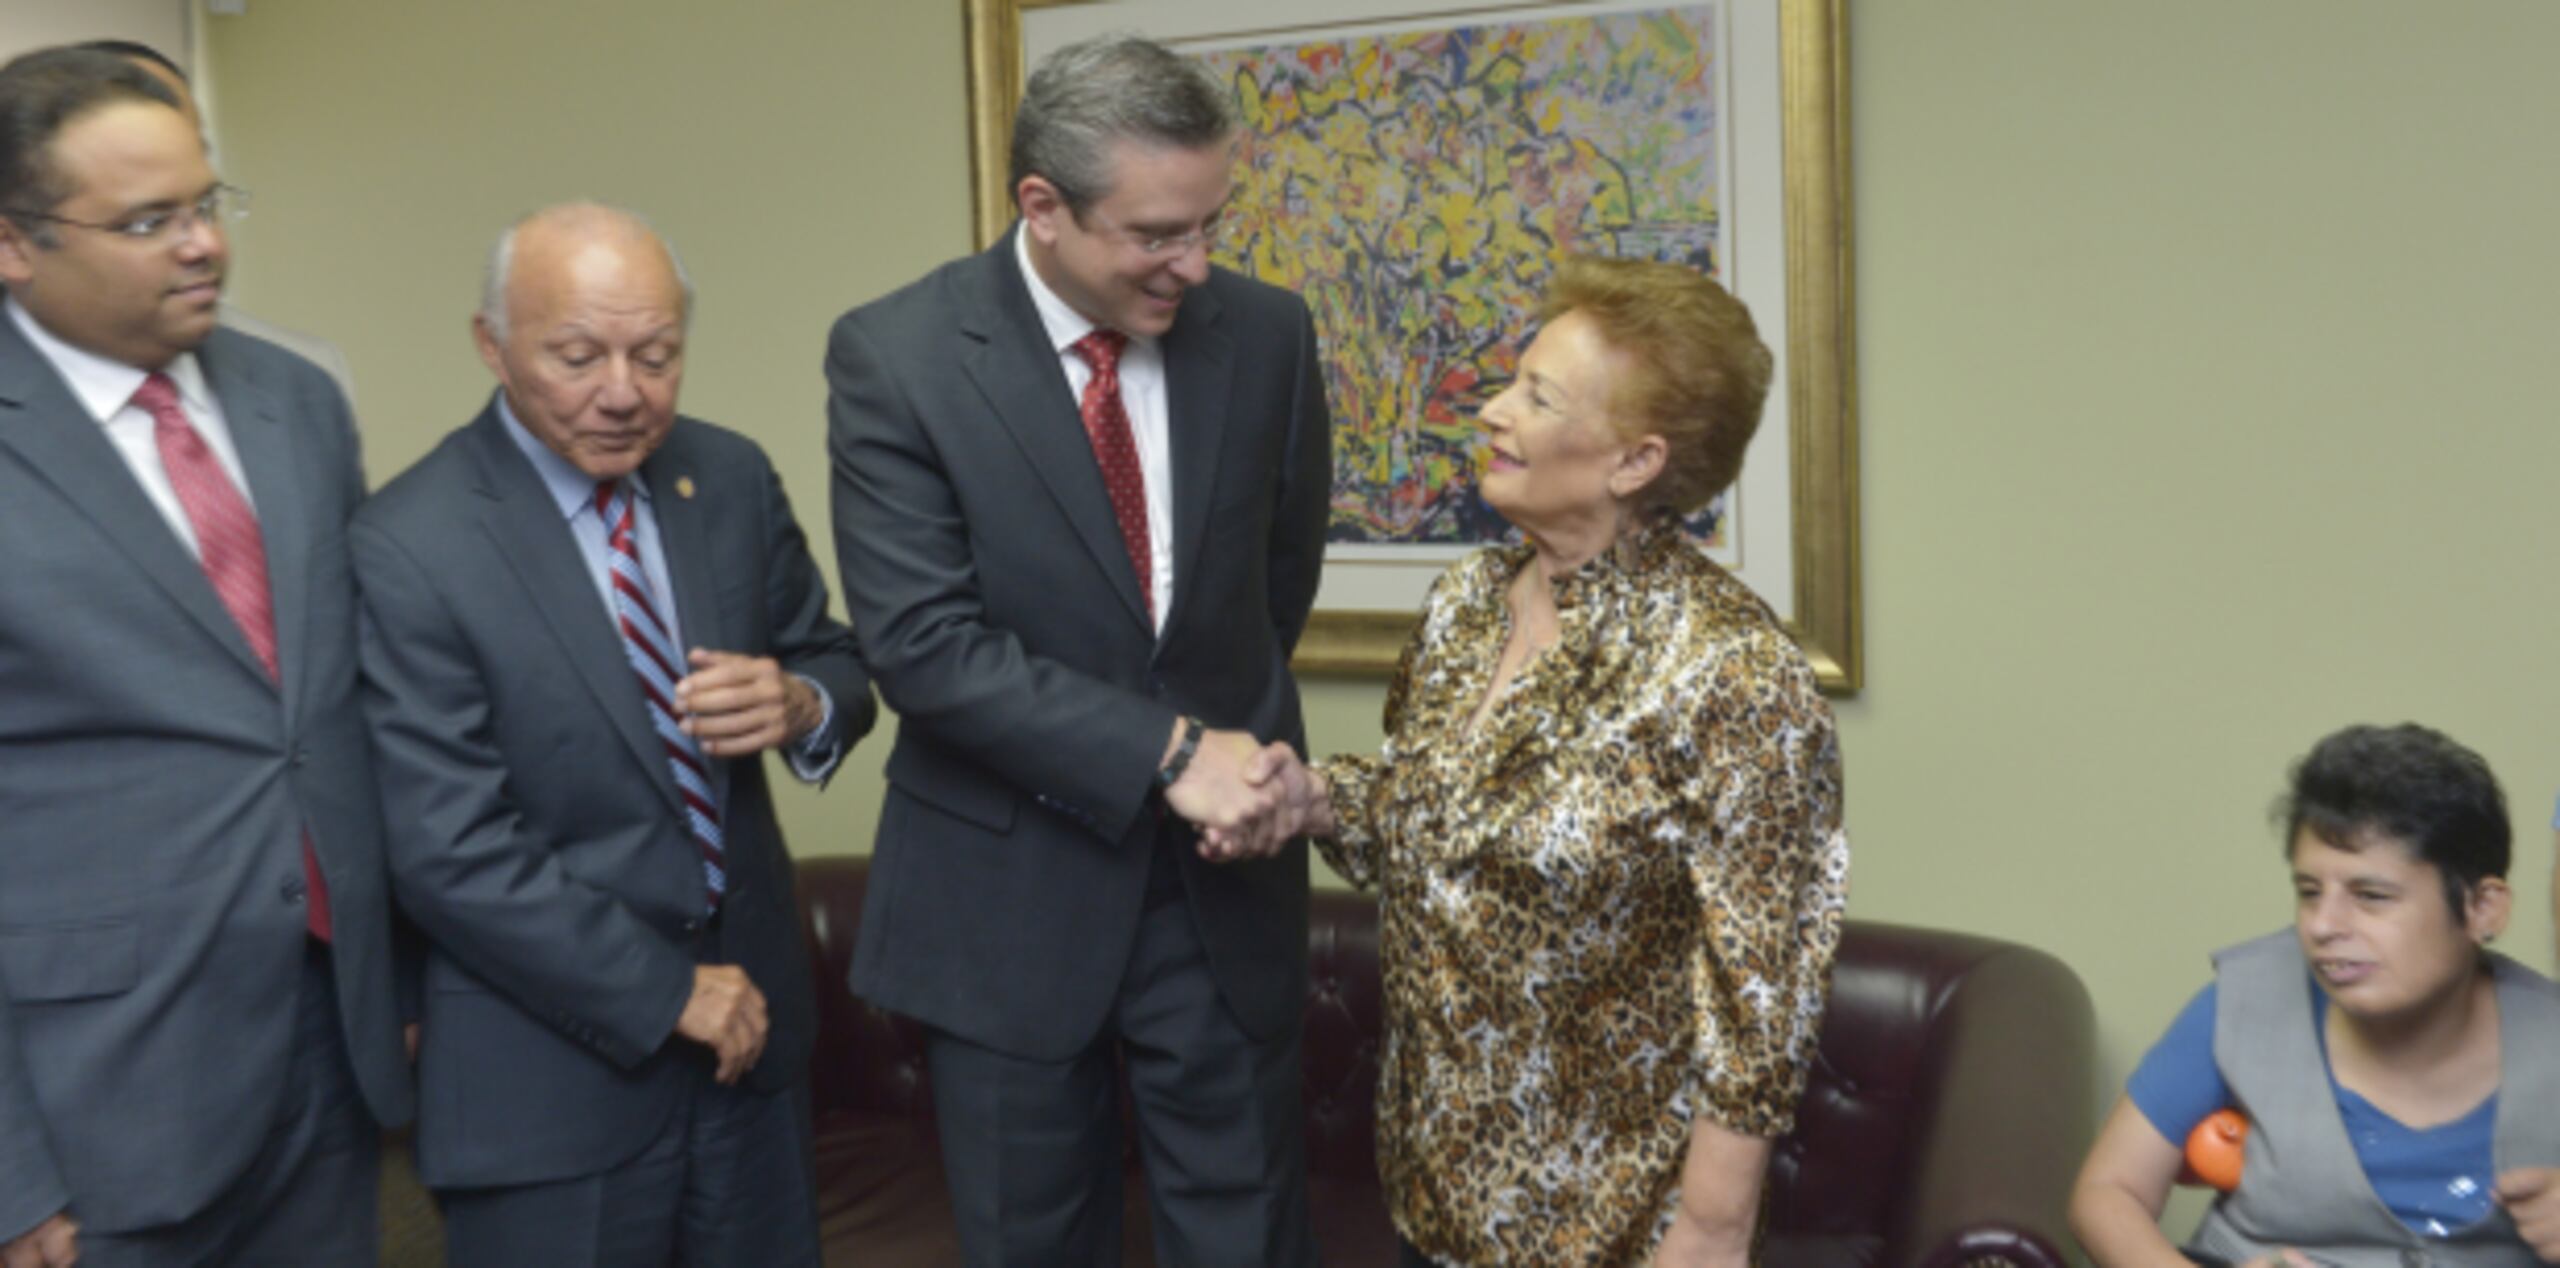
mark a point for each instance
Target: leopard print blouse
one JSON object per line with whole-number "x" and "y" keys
{"x": 1611, "y": 906}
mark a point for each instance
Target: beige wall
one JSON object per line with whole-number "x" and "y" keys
{"x": 28, "y": 24}
{"x": 2207, "y": 371}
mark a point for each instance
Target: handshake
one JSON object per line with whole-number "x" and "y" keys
{"x": 1248, "y": 799}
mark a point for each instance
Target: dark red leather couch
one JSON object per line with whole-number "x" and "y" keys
{"x": 1947, "y": 1114}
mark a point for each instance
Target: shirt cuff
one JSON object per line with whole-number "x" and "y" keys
{"x": 814, "y": 757}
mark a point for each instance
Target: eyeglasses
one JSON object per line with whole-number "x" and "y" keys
{"x": 220, "y": 203}
{"x": 1164, "y": 245}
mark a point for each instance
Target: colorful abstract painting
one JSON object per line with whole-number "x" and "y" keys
{"x": 1418, "y": 187}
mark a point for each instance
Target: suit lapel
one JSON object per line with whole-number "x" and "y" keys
{"x": 526, "y": 531}
{"x": 268, "y": 459}
{"x": 685, "y": 541}
{"x": 47, "y": 427}
{"x": 1199, "y": 372}
{"x": 1017, "y": 372}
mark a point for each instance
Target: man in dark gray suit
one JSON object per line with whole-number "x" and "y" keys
{"x": 1080, "y": 491}
{"x": 586, "y": 619}
{"x": 196, "y": 985}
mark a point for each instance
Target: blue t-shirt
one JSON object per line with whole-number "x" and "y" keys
{"x": 2437, "y": 1180}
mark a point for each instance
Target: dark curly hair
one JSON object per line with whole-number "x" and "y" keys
{"x": 2409, "y": 783}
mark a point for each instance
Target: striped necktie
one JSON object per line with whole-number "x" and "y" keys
{"x": 654, "y": 659}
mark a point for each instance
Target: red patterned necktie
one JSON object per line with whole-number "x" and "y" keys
{"x": 654, "y": 658}
{"x": 1115, "y": 447}
{"x": 234, "y": 557}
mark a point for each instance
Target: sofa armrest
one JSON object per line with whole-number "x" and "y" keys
{"x": 2014, "y": 1072}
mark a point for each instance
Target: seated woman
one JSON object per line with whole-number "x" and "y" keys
{"x": 1606, "y": 824}
{"x": 2402, "y": 1082}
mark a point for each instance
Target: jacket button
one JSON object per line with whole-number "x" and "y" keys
{"x": 301, "y": 757}
{"x": 291, "y": 891}
{"x": 691, "y": 927}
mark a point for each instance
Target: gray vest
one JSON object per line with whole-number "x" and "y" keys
{"x": 2300, "y": 1183}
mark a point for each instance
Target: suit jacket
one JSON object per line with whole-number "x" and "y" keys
{"x": 155, "y": 789}
{"x": 536, "y": 836}
{"x": 1002, "y": 616}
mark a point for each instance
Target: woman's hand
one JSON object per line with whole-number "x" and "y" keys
{"x": 2532, "y": 1198}
{"x": 1719, "y": 1200}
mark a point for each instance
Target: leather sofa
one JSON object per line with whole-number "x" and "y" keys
{"x": 1948, "y": 1110}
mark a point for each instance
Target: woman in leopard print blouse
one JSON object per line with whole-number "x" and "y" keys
{"x": 1606, "y": 825}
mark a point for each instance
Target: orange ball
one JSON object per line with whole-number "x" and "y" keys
{"x": 2214, "y": 1149}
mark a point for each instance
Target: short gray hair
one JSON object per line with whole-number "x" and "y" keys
{"x": 502, "y": 258}
{"x": 1119, "y": 87}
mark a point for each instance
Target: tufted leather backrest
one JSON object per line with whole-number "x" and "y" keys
{"x": 871, "y": 1063}
{"x": 866, "y": 1061}
{"x": 1949, "y": 1100}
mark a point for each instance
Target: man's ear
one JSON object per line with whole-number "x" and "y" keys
{"x": 1040, "y": 204}
{"x": 17, "y": 254}
{"x": 486, "y": 341}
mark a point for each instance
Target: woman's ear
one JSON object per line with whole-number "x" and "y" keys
{"x": 1639, "y": 465}
{"x": 2486, "y": 907}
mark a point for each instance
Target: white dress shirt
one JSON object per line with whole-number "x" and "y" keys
{"x": 105, "y": 388}
{"x": 1141, "y": 394}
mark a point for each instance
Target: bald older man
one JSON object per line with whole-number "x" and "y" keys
{"x": 586, "y": 619}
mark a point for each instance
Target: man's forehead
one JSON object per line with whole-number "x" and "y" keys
{"x": 594, "y": 277}
{"x": 1172, "y": 178}
{"x": 125, "y": 139}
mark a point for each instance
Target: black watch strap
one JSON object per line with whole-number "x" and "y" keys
{"x": 1192, "y": 730}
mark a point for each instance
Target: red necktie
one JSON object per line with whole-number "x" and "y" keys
{"x": 1106, "y": 423}
{"x": 234, "y": 556}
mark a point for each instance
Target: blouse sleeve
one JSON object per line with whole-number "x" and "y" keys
{"x": 1357, "y": 784}
{"x": 1770, "y": 865}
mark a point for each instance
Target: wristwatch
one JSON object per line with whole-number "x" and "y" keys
{"x": 1192, "y": 730}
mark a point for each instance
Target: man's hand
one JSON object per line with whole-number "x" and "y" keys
{"x": 52, "y": 1244}
{"x": 734, "y": 705}
{"x": 2532, "y": 1198}
{"x": 1214, "y": 795}
{"x": 726, "y": 1015}
{"x": 1304, "y": 806}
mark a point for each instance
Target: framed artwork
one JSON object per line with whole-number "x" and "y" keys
{"x": 1416, "y": 168}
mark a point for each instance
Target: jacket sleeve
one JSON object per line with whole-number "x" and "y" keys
{"x": 910, "y": 583}
{"x": 1305, "y": 499}
{"x": 35, "y": 1190}
{"x": 805, "y": 639}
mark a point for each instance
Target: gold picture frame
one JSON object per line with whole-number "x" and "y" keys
{"x": 1817, "y": 362}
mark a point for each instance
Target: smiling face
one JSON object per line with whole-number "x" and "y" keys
{"x": 138, "y": 301}
{"x": 1095, "y": 259}
{"x": 594, "y": 348}
{"x": 2377, "y": 929}
{"x": 1558, "y": 465}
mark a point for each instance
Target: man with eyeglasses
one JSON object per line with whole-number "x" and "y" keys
{"x": 198, "y": 1025}
{"x": 1080, "y": 493}
{"x": 317, "y": 351}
